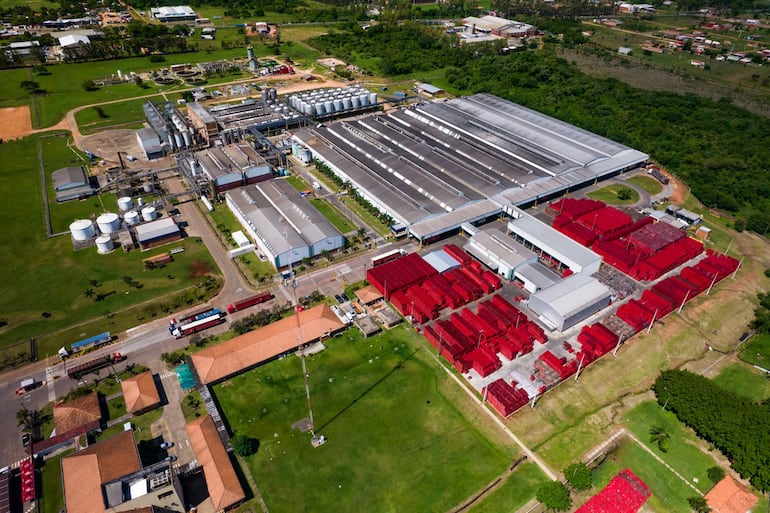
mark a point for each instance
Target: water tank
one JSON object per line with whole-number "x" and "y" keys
{"x": 273, "y": 93}
{"x": 187, "y": 138}
{"x": 337, "y": 105}
{"x": 108, "y": 223}
{"x": 178, "y": 139}
{"x": 264, "y": 95}
{"x": 346, "y": 103}
{"x": 319, "y": 109}
{"x": 125, "y": 203}
{"x": 306, "y": 156}
{"x": 131, "y": 218}
{"x": 104, "y": 244}
{"x": 364, "y": 98}
{"x": 329, "y": 106}
{"x": 82, "y": 229}
{"x": 356, "y": 102}
{"x": 307, "y": 108}
{"x": 372, "y": 99}
{"x": 148, "y": 213}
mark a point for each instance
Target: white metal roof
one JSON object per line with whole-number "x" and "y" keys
{"x": 441, "y": 261}
{"x": 572, "y": 294}
{"x": 155, "y": 229}
{"x": 538, "y": 274}
{"x": 553, "y": 242}
{"x": 500, "y": 247}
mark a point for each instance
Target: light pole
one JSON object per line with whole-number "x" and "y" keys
{"x": 481, "y": 334}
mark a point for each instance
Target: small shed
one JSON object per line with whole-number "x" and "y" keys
{"x": 71, "y": 183}
{"x": 150, "y": 143}
{"x": 427, "y": 89}
{"x": 624, "y": 50}
{"x": 157, "y": 233}
{"x": 368, "y": 295}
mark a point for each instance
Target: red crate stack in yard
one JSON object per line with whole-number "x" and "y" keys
{"x": 463, "y": 326}
{"x": 399, "y": 274}
{"x": 635, "y": 315}
{"x": 572, "y": 208}
{"x": 482, "y": 327}
{"x": 484, "y": 361}
{"x": 475, "y": 278}
{"x": 562, "y": 366}
{"x": 458, "y": 254}
{"x": 655, "y": 303}
{"x": 625, "y": 493}
{"x": 595, "y": 340}
{"x": 577, "y": 232}
{"x": 697, "y": 279}
{"x": 505, "y": 398}
{"x": 492, "y": 279}
{"x": 605, "y": 221}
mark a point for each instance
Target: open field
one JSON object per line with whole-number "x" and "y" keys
{"x": 610, "y": 194}
{"x": 744, "y": 380}
{"x": 401, "y": 436}
{"x": 574, "y": 417}
{"x": 651, "y": 185}
{"x": 17, "y": 122}
{"x": 757, "y": 351}
{"x": 513, "y": 493}
{"x": 51, "y": 294}
{"x": 333, "y": 215}
{"x": 113, "y": 115}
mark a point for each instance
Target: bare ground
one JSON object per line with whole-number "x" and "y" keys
{"x": 656, "y": 79}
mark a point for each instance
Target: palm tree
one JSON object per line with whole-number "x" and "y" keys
{"x": 660, "y": 437}
{"x": 25, "y": 419}
{"x": 89, "y": 293}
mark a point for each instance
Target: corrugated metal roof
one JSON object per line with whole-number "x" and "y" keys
{"x": 497, "y": 246}
{"x": 538, "y": 274}
{"x": 573, "y": 293}
{"x": 156, "y": 229}
{"x": 441, "y": 261}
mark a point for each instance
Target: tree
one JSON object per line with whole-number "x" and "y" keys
{"x": 30, "y": 86}
{"x": 625, "y": 194}
{"x": 578, "y": 475}
{"x": 25, "y": 419}
{"x": 715, "y": 474}
{"x": 90, "y": 85}
{"x": 244, "y": 445}
{"x": 554, "y": 495}
{"x": 698, "y": 504}
{"x": 660, "y": 437}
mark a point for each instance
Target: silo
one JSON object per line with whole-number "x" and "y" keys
{"x": 108, "y": 223}
{"x": 149, "y": 213}
{"x": 308, "y": 109}
{"x": 273, "y": 93}
{"x": 187, "y": 138}
{"x": 364, "y": 98}
{"x": 372, "y": 99}
{"x": 125, "y": 203}
{"x": 264, "y": 95}
{"x": 104, "y": 244}
{"x": 346, "y": 103}
{"x": 82, "y": 229}
{"x": 319, "y": 109}
{"x": 337, "y": 105}
{"x": 329, "y": 106}
{"x": 131, "y": 218}
{"x": 356, "y": 101}
{"x": 178, "y": 139}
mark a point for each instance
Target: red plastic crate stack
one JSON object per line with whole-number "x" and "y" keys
{"x": 655, "y": 303}
{"x": 617, "y": 253}
{"x": 475, "y": 277}
{"x": 595, "y": 340}
{"x": 572, "y": 208}
{"x": 652, "y": 238}
{"x": 696, "y": 278}
{"x": 520, "y": 324}
{"x": 484, "y": 361}
{"x": 635, "y": 315}
{"x": 575, "y": 231}
{"x": 458, "y": 254}
{"x": 667, "y": 258}
{"x": 674, "y": 289}
{"x": 625, "y": 493}
{"x": 562, "y": 366}
{"x": 439, "y": 284}
{"x": 505, "y": 398}
{"x": 465, "y": 286}
{"x": 399, "y": 274}
{"x": 723, "y": 265}
{"x": 485, "y": 330}
{"x": 492, "y": 279}
{"x": 605, "y": 221}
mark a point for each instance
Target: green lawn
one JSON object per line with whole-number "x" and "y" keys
{"x": 334, "y": 215}
{"x": 128, "y": 114}
{"x": 52, "y": 500}
{"x": 683, "y": 455}
{"x": 297, "y": 182}
{"x": 396, "y": 441}
{"x": 609, "y": 194}
{"x": 517, "y": 490}
{"x": 40, "y": 299}
{"x": 141, "y": 424}
{"x": 373, "y": 222}
{"x": 651, "y": 185}
{"x": 116, "y": 407}
{"x": 192, "y": 406}
{"x": 109, "y": 386}
{"x": 743, "y": 380}
{"x": 757, "y": 351}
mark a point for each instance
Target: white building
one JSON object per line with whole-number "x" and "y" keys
{"x": 173, "y": 13}
{"x": 569, "y": 301}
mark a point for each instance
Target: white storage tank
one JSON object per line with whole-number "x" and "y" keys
{"x": 131, "y": 218}
{"x": 346, "y": 103}
{"x": 82, "y": 229}
{"x": 125, "y": 203}
{"x": 108, "y": 223}
{"x": 149, "y": 213}
{"x": 337, "y": 105}
{"x": 104, "y": 244}
{"x": 372, "y": 99}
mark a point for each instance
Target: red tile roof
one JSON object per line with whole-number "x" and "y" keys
{"x": 729, "y": 496}
{"x": 78, "y": 412}
{"x": 140, "y": 392}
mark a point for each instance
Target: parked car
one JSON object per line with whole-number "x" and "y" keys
{"x": 170, "y": 458}
{"x": 167, "y": 445}
{"x": 25, "y": 439}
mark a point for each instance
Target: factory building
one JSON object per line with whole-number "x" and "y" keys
{"x": 434, "y": 166}
{"x": 569, "y": 301}
{"x": 157, "y": 233}
{"x": 150, "y": 143}
{"x": 284, "y": 225}
{"x": 203, "y": 122}
{"x": 266, "y": 113}
{"x": 71, "y": 183}
{"x": 231, "y": 166}
{"x": 173, "y": 13}
{"x": 507, "y": 257}
{"x": 169, "y": 125}
{"x": 551, "y": 246}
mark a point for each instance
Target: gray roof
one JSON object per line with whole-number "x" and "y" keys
{"x": 501, "y": 247}
{"x": 156, "y": 229}
{"x": 553, "y": 242}
{"x": 216, "y": 164}
{"x": 570, "y": 295}
{"x": 147, "y": 136}
{"x": 201, "y": 112}
{"x": 428, "y": 88}
{"x": 265, "y": 220}
{"x": 441, "y": 261}
{"x": 69, "y": 177}
{"x": 538, "y": 274}
{"x": 301, "y": 215}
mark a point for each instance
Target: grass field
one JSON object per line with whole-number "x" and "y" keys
{"x": 52, "y": 500}
{"x": 371, "y": 221}
{"x": 401, "y": 437}
{"x": 128, "y": 114}
{"x": 743, "y": 380}
{"x": 334, "y": 215}
{"x": 757, "y": 351}
{"x": 44, "y": 281}
{"x": 610, "y": 194}
{"x": 651, "y": 185}
{"x": 517, "y": 490}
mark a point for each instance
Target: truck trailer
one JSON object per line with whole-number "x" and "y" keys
{"x": 181, "y": 330}
{"x": 249, "y": 301}
{"x": 76, "y": 371}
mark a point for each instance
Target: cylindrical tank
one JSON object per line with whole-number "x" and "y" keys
{"x": 356, "y": 102}
{"x": 319, "y": 109}
{"x": 364, "y": 100}
{"x": 108, "y": 223}
{"x": 306, "y": 156}
{"x": 148, "y": 213}
{"x": 250, "y": 52}
{"x": 104, "y": 244}
{"x": 264, "y": 95}
{"x": 125, "y": 203}
{"x": 273, "y": 93}
{"x": 131, "y": 218}
{"x": 187, "y": 138}
{"x": 82, "y": 229}
{"x": 329, "y": 106}
{"x": 346, "y": 103}
{"x": 147, "y": 187}
{"x": 178, "y": 139}
{"x": 337, "y": 105}
{"x": 372, "y": 99}
{"x": 308, "y": 108}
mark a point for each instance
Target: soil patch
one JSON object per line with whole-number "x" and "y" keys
{"x": 17, "y": 122}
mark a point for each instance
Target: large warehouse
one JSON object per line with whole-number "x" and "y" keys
{"x": 435, "y": 166}
{"x": 284, "y": 225}
{"x": 569, "y": 301}
{"x": 230, "y": 166}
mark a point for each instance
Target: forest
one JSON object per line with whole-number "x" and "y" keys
{"x": 720, "y": 151}
{"x": 735, "y": 425}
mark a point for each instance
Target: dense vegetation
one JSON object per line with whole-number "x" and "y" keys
{"x": 761, "y": 321}
{"x": 723, "y": 153}
{"x": 737, "y": 426}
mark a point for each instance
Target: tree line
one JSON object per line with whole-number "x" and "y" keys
{"x": 720, "y": 151}
{"x": 735, "y": 425}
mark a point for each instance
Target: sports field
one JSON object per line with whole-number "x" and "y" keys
{"x": 401, "y": 436}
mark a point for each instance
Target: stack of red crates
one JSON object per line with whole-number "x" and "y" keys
{"x": 605, "y": 221}
{"x": 505, "y": 398}
{"x": 595, "y": 341}
{"x": 562, "y": 366}
{"x": 399, "y": 274}
{"x": 572, "y": 208}
{"x": 655, "y": 303}
{"x": 484, "y": 361}
{"x": 635, "y": 314}
{"x": 458, "y": 254}
{"x": 717, "y": 263}
{"x": 625, "y": 493}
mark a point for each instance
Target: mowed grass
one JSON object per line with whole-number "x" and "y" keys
{"x": 115, "y": 115}
{"x": 44, "y": 281}
{"x": 651, "y": 185}
{"x": 610, "y": 194}
{"x": 516, "y": 491}
{"x": 334, "y": 215}
{"x": 401, "y": 437}
{"x": 757, "y": 351}
{"x": 52, "y": 500}
{"x": 743, "y": 380}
